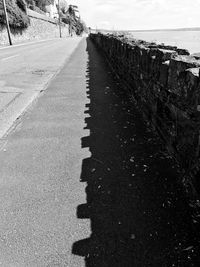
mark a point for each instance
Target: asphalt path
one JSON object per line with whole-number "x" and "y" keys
{"x": 40, "y": 170}
{"x": 25, "y": 71}
{"x": 85, "y": 183}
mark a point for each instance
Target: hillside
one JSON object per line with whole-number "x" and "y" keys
{"x": 17, "y": 16}
{"x": 38, "y": 5}
{"x": 177, "y": 29}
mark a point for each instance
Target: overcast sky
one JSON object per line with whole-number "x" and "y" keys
{"x": 139, "y": 14}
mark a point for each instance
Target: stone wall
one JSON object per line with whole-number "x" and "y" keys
{"x": 165, "y": 83}
{"x": 41, "y": 27}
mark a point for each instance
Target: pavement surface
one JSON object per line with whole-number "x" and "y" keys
{"x": 25, "y": 71}
{"x": 40, "y": 170}
{"x": 84, "y": 182}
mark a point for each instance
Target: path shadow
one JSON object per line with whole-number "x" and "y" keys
{"x": 138, "y": 213}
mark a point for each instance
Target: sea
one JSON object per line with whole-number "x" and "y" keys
{"x": 187, "y": 39}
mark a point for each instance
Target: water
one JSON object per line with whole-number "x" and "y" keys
{"x": 183, "y": 39}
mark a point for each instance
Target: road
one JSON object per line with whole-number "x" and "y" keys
{"x": 84, "y": 182}
{"x": 41, "y": 163}
{"x": 25, "y": 71}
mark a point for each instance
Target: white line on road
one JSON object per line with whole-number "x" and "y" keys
{"x": 27, "y": 43}
{"x": 7, "y": 58}
{"x": 3, "y": 145}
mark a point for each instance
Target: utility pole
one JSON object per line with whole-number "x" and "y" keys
{"x": 59, "y": 20}
{"x": 7, "y": 23}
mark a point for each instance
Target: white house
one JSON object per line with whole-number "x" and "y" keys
{"x": 51, "y": 10}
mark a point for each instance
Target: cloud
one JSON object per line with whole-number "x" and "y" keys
{"x": 139, "y": 14}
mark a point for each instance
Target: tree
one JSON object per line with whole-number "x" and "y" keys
{"x": 17, "y": 16}
{"x": 43, "y": 3}
{"x": 73, "y": 20}
{"x": 22, "y": 5}
{"x": 63, "y": 6}
{"x": 30, "y": 3}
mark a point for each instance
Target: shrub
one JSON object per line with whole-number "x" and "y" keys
{"x": 17, "y": 17}
{"x": 75, "y": 24}
{"x": 43, "y": 3}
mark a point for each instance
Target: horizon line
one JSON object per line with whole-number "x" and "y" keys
{"x": 150, "y": 30}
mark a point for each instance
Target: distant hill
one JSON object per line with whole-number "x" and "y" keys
{"x": 153, "y": 30}
{"x": 158, "y": 30}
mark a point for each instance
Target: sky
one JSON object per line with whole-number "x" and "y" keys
{"x": 139, "y": 14}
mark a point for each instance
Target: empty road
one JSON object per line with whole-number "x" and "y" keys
{"x": 83, "y": 180}
{"x": 25, "y": 70}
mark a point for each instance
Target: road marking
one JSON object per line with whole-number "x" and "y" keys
{"x": 7, "y": 58}
{"x": 3, "y": 145}
{"x": 27, "y": 43}
{"x": 7, "y": 99}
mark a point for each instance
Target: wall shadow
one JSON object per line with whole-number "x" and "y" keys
{"x": 138, "y": 212}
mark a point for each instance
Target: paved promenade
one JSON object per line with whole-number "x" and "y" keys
{"x": 83, "y": 182}
{"x": 25, "y": 71}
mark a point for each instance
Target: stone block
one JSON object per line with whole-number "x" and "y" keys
{"x": 196, "y": 56}
{"x": 192, "y": 88}
{"x": 144, "y": 61}
{"x": 178, "y": 65}
{"x": 164, "y": 72}
{"x": 187, "y": 88}
{"x": 183, "y": 52}
{"x": 158, "y": 56}
{"x": 137, "y": 57}
{"x": 167, "y": 54}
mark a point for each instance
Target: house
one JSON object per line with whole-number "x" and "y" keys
{"x": 52, "y": 11}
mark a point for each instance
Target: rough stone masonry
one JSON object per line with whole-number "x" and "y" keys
{"x": 165, "y": 83}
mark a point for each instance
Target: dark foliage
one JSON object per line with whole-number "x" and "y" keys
{"x": 43, "y": 3}
{"x": 74, "y": 22}
{"x": 17, "y": 16}
{"x": 38, "y": 5}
